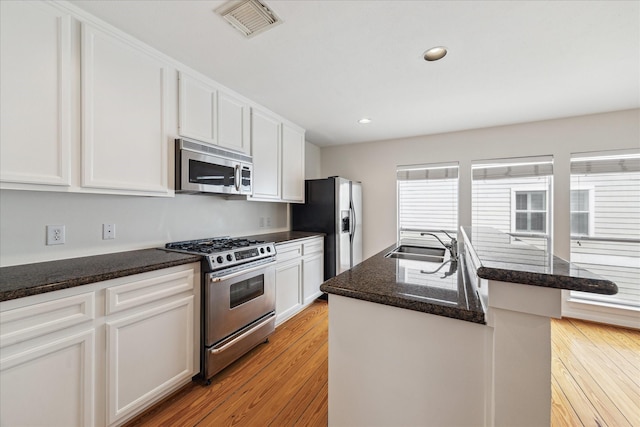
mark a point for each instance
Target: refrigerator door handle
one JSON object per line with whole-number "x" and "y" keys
{"x": 352, "y": 225}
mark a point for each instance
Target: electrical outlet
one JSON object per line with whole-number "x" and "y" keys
{"x": 55, "y": 235}
{"x": 108, "y": 231}
{"x": 261, "y": 222}
{"x": 268, "y": 222}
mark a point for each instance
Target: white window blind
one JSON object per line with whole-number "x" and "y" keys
{"x": 611, "y": 209}
{"x": 513, "y": 196}
{"x": 427, "y": 198}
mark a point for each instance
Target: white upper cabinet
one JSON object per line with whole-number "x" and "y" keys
{"x": 278, "y": 159}
{"x": 265, "y": 147}
{"x": 196, "y": 109}
{"x": 84, "y": 107}
{"x": 233, "y": 123}
{"x": 211, "y": 115}
{"x": 292, "y": 164}
{"x": 124, "y": 97}
{"x": 35, "y": 91}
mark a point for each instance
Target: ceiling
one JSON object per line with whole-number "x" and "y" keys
{"x": 331, "y": 63}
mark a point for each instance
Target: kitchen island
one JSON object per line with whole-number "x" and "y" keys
{"x": 448, "y": 343}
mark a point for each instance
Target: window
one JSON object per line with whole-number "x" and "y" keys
{"x": 605, "y": 222}
{"x": 580, "y": 212}
{"x": 427, "y": 200}
{"x": 531, "y": 211}
{"x": 513, "y": 196}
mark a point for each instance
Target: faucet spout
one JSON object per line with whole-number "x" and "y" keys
{"x": 452, "y": 246}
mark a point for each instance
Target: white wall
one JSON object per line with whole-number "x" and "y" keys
{"x": 312, "y": 161}
{"x": 374, "y": 163}
{"x": 141, "y": 222}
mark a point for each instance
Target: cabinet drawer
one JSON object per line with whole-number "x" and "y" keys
{"x": 35, "y": 320}
{"x": 288, "y": 251}
{"x": 149, "y": 289}
{"x": 312, "y": 246}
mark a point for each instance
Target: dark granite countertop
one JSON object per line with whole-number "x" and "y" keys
{"x": 499, "y": 256}
{"x": 37, "y": 278}
{"x": 435, "y": 288}
{"x": 283, "y": 236}
{"x": 32, "y": 279}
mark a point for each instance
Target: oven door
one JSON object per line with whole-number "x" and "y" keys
{"x": 209, "y": 174}
{"x": 239, "y": 299}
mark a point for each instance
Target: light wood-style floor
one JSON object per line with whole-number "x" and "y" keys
{"x": 596, "y": 380}
{"x": 595, "y": 375}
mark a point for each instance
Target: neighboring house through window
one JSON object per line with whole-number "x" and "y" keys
{"x": 605, "y": 223}
{"x": 530, "y": 211}
{"x": 581, "y": 212}
{"x": 427, "y": 200}
{"x": 513, "y": 196}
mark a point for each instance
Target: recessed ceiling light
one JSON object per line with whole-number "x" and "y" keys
{"x": 435, "y": 53}
{"x": 364, "y": 120}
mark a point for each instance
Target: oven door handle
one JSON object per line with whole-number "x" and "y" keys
{"x": 241, "y": 272}
{"x": 217, "y": 350}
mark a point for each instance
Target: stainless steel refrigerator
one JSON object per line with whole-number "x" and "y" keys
{"x": 333, "y": 206}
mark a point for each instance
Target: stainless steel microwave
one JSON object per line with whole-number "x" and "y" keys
{"x": 205, "y": 168}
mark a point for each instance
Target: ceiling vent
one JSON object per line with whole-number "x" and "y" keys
{"x": 250, "y": 17}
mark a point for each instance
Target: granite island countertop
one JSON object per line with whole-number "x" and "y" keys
{"x": 502, "y": 257}
{"x": 435, "y": 288}
{"x": 489, "y": 253}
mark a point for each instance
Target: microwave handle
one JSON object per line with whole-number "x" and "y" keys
{"x": 237, "y": 178}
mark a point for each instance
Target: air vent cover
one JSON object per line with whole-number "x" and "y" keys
{"x": 250, "y": 17}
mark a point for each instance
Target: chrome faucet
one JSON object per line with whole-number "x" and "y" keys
{"x": 452, "y": 246}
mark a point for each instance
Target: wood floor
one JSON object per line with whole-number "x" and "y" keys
{"x": 595, "y": 375}
{"x": 596, "y": 380}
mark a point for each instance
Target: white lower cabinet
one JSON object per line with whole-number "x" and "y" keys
{"x": 50, "y": 384}
{"x": 299, "y": 274}
{"x": 159, "y": 340}
{"x": 313, "y": 273}
{"x": 99, "y": 354}
{"x": 288, "y": 287}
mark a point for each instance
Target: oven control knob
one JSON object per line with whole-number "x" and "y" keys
{"x": 268, "y": 248}
{"x": 229, "y": 257}
{"x": 261, "y": 250}
{"x": 220, "y": 260}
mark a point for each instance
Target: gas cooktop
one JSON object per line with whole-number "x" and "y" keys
{"x": 221, "y": 253}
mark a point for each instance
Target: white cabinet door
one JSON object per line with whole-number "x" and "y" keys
{"x": 233, "y": 123}
{"x": 292, "y": 165}
{"x": 35, "y": 82}
{"x": 47, "y": 360}
{"x": 313, "y": 275}
{"x": 124, "y": 97}
{"x": 148, "y": 354}
{"x": 288, "y": 287}
{"x": 196, "y": 109}
{"x": 50, "y": 383}
{"x": 265, "y": 148}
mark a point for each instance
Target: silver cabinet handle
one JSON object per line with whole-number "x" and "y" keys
{"x": 238, "y": 176}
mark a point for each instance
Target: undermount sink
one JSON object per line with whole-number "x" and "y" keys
{"x": 417, "y": 253}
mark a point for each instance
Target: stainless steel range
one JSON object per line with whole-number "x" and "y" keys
{"x": 238, "y": 297}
